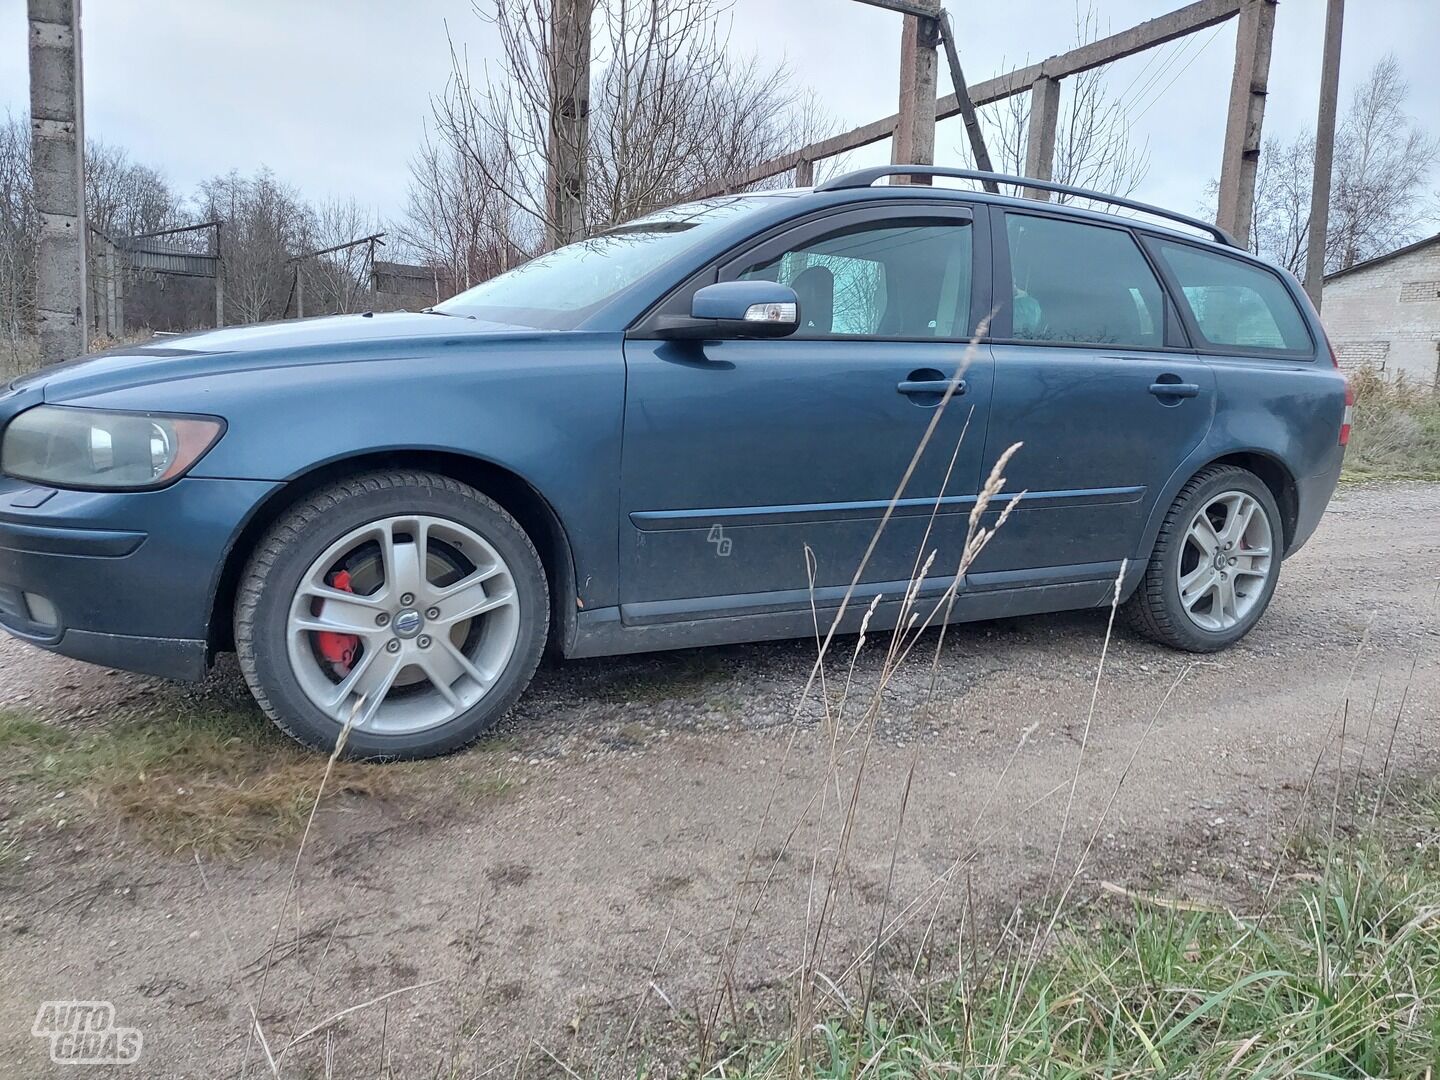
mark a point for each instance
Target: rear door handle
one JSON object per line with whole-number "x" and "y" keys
{"x": 1175, "y": 389}
{"x": 930, "y": 386}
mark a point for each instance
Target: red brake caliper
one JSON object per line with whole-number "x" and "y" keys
{"x": 339, "y": 650}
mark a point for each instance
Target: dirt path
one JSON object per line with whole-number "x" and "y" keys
{"x": 598, "y": 892}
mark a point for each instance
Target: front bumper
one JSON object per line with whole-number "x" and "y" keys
{"x": 126, "y": 580}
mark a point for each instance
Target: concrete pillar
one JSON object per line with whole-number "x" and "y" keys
{"x": 57, "y": 149}
{"x": 1243, "y": 122}
{"x": 217, "y": 249}
{"x": 805, "y": 173}
{"x": 914, "y": 141}
{"x": 1040, "y": 142}
{"x": 569, "y": 121}
{"x": 113, "y": 324}
{"x": 1324, "y": 153}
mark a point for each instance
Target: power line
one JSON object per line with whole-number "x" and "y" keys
{"x": 1177, "y": 75}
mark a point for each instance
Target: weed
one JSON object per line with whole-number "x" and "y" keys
{"x": 1396, "y": 430}
{"x": 208, "y": 779}
{"x": 1341, "y": 978}
{"x": 470, "y": 786}
{"x": 693, "y": 674}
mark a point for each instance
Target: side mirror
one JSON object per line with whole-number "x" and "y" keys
{"x": 736, "y": 309}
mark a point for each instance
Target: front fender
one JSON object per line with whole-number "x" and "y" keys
{"x": 549, "y": 412}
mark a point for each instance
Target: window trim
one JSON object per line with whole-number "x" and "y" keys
{"x": 1151, "y": 241}
{"x": 787, "y": 234}
{"x": 1003, "y": 324}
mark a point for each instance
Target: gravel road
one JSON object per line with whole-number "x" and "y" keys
{"x": 672, "y": 825}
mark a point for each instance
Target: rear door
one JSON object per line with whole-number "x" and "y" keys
{"x": 740, "y": 455}
{"x": 1094, "y": 375}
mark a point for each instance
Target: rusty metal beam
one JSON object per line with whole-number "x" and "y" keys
{"x": 1147, "y": 35}
{"x": 978, "y": 150}
{"x": 904, "y": 7}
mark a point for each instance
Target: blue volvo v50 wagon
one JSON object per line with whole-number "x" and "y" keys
{"x": 630, "y": 443}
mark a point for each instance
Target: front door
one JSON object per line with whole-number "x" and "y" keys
{"x": 739, "y": 456}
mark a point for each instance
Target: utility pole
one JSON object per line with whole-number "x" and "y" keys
{"x": 569, "y": 121}
{"x": 914, "y": 142}
{"x": 57, "y": 154}
{"x": 1324, "y": 153}
{"x": 1245, "y": 118}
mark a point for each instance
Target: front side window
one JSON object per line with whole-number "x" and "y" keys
{"x": 1235, "y": 304}
{"x": 1081, "y": 284}
{"x": 890, "y": 279}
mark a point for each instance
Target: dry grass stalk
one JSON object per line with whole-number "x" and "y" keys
{"x": 292, "y": 884}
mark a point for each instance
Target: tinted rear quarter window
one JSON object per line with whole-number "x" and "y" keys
{"x": 1236, "y": 304}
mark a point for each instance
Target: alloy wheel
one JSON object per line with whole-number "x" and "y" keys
{"x": 411, "y": 618}
{"x": 1226, "y": 560}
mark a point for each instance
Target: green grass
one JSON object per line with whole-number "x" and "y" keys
{"x": 678, "y": 678}
{"x": 1396, "y": 431}
{"x": 1339, "y": 976}
{"x": 219, "y": 781}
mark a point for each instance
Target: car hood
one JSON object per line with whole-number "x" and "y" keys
{"x": 329, "y": 339}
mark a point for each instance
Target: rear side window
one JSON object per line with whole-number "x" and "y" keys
{"x": 883, "y": 280}
{"x": 1235, "y": 304}
{"x": 1081, "y": 284}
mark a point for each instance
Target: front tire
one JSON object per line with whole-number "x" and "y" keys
{"x": 405, "y": 603}
{"x": 1215, "y": 563}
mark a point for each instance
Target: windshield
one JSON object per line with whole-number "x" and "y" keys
{"x": 559, "y": 289}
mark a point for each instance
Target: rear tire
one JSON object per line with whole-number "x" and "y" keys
{"x": 1197, "y": 593}
{"x": 404, "y": 602}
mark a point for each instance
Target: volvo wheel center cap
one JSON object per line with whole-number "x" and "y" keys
{"x": 408, "y": 623}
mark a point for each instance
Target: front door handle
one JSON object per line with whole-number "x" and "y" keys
{"x": 930, "y": 386}
{"x": 1175, "y": 389}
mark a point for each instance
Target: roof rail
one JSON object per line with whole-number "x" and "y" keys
{"x": 864, "y": 178}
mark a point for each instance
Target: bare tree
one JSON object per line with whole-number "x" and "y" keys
{"x": 1092, "y": 138}
{"x": 1377, "y": 196}
{"x": 265, "y": 224}
{"x": 1280, "y": 221}
{"x": 457, "y": 222}
{"x": 19, "y": 230}
{"x": 338, "y": 282}
{"x": 125, "y": 198}
{"x": 670, "y": 111}
{"x": 1382, "y": 162}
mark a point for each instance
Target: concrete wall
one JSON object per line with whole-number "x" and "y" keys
{"x": 1387, "y": 316}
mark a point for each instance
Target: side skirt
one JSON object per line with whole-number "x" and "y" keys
{"x": 603, "y": 632}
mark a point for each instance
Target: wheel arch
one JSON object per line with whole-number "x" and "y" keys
{"x": 513, "y": 492}
{"x": 1269, "y": 467}
{"x": 1276, "y": 476}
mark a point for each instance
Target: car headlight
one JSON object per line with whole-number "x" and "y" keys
{"x": 88, "y": 448}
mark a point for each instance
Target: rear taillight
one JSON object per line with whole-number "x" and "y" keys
{"x": 1335, "y": 362}
{"x": 1349, "y": 410}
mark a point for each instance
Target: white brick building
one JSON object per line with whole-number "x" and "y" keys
{"x": 1385, "y": 312}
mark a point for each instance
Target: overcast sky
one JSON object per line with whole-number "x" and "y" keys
{"x": 333, "y": 94}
